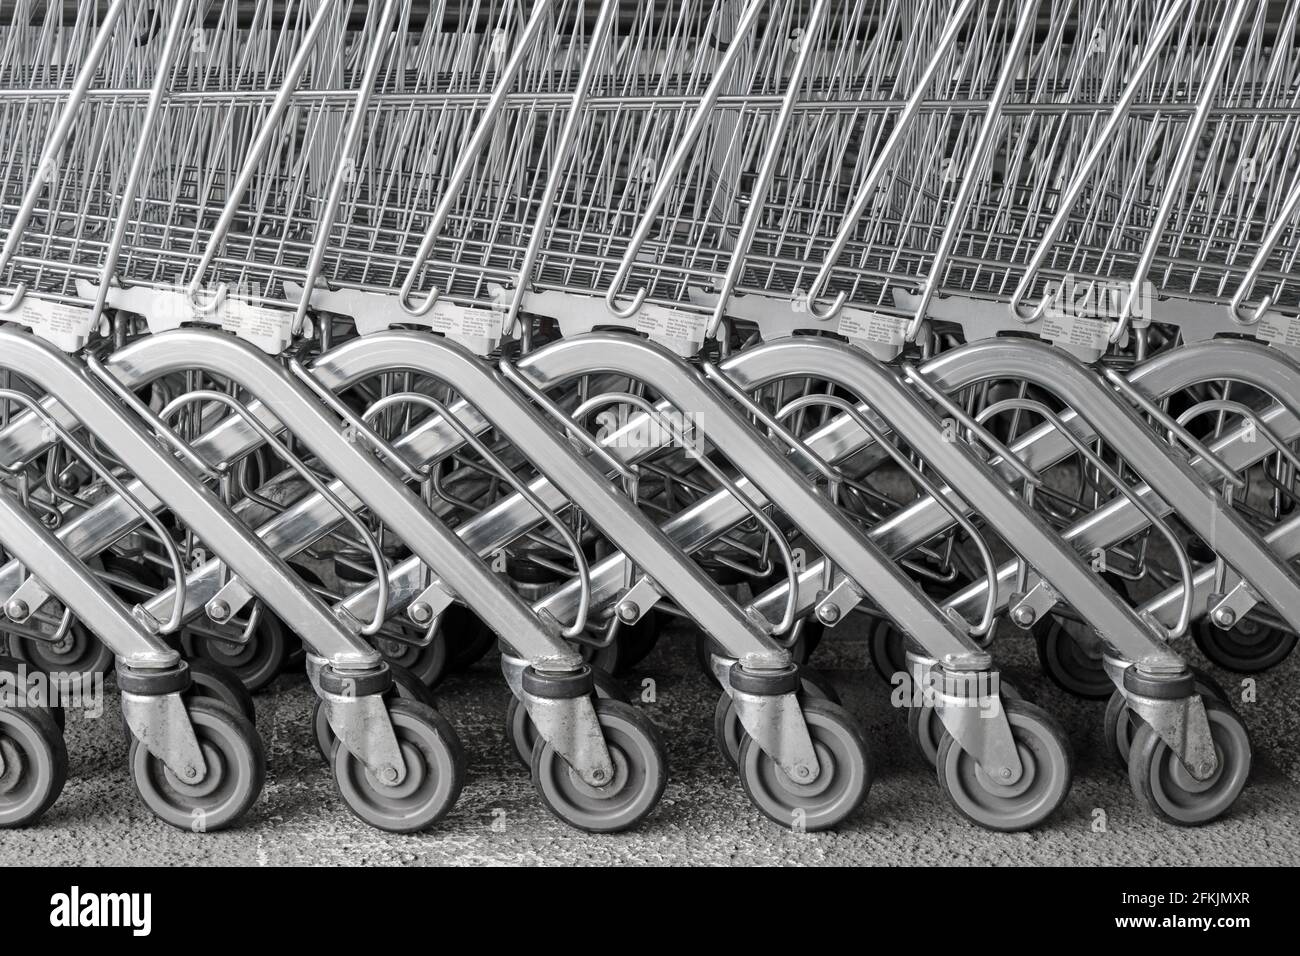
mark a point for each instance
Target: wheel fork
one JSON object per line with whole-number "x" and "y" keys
{"x": 560, "y": 706}
{"x": 1169, "y": 703}
{"x": 771, "y": 715}
{"x": 360, "y": 721}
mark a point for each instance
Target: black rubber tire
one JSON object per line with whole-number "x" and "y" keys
{"x": 255, "y": 664}
{"x": 887, "y": 649}
{"x": 845, "y": 780}
{"x": 435, "y": 765}
{"x": 640, "y": 774}
{"x": 236, "y": 765}
{"x": 211, "y": 681}
{"x": 1159, "y": 780}
{"x": 1248, "y": 648}
{"x": 428, "y": 663}
{"x": 36, "y": 765}
{"x": 1042, "y": 745}
{"x": 468, "y": 638}
{"x": 1071, "y": 664}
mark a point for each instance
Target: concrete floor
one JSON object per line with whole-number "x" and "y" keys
{"x": 704, "y": 817}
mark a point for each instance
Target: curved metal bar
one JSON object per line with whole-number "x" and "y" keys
{"x": 1094, "y": 459}
{"x": 57, "y": 137}
{"x": 579, "y": 559}
{"x": 1172, "y": 19}
{"x": 767, "y": 170}
{"x": 106, "y": 475}
{"x": 926, "y": 485}
{"x": 303, "y": 472}
{"x": 356, "y": 125}
{"x": 881, "y": 165}
{"x": 748, "y": 17}
{"x": 1025, "y": 26}
{"x": 1252, "y": 416}
{"x": 787, "y": 555}
{"x": 464, "y": 163}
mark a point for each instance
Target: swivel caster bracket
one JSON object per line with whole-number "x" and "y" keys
{"x": 571, "y": 727}
{"x": 162, "y": 725}
{"x": 1184, "y": 726}
{"x": 363, "y": 726}
{"x": 971, "y": 711}
{"x": 777, "y": 725}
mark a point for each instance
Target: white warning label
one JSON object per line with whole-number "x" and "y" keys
{"x": 1078, "y": 331}
{"x": 1280, "y": 330}
{"x": 268, "y": 329}
{"x": 869, "y": 327}
{"x": 66, "y": 326}
{"x": 672, "y": 325}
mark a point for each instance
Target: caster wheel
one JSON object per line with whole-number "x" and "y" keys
{"x": 1073, "y": 663}
{"x": 1248, "y": 648}
{"x": 887, "y": 649}
{"x": 1048, "y": 768}
{"x": 840, "y": 787}
{"x": 435, "y": 773}
{"x": 211, "y": 681}
{"x": 35, "y": 764}
{"x": 16, "y": 668}
{"x": 406, "y": 686}
{"x": 521, "y": 735}
{"x": 727, "y": 731}
{"x": 640, "y": 772}
{"x": 467, "y": 637}
{"x": 236, "y": 770}
{"x": 79, "y": 657}
{"x": 255, "y": 664}
{"x": 428, "y": 664}
{"x": 1121, "y": 725}
{"x": 630, "y": 648}
{"x": 1161, "y": 781}
{"x": 925, "y": 728}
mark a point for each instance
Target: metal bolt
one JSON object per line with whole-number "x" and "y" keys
{"x": 1024, "y": 615}
{"x": 1225, "y": 617}
{"x": 219, "y": 611}
{"x": 828, "y": 613}
{"x": 1006, "y": 773}
{"x": 191, "y": 772}
{"x": 388, "y": 775}
{"x": 628, "y": 612}
{"x": 598, "y": 774}
{"x": 802, "y": 772}
{"x": 421, "y": 613}
{"x": 17, "y": 610}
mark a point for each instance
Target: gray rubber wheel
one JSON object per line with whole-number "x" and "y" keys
{"x": 1161, "y": 781}
{"x": 839, "y": 789}
{"x": 1048, "y": 770}
{"x": 1121, "y": 726}
{"x": 255, "y": 664}
{"x": 406, "y": 686}
{"x": 212, "y": 681}
{"x": 35, "y": 764}
{"x": 727, "y": 730}
{"x": 428, "y": 663}
{"x": 640, "y": 773}
{"x": 435, "y": 773}
{"x": 1248, "y": 648}
{"x": 1073, "y": 663}
{"x": 236, "y": 770}
{"x": 79, "y": 657}
{"x": 521, "y": 735}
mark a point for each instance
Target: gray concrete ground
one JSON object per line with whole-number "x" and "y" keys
{"x": 704, "y": 817}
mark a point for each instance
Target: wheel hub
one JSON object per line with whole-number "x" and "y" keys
{"x": 211, "y": 780}
{"x": 609, "y": 790}
{"x": 998, "y": 788}
{"x": 416, "y": 770}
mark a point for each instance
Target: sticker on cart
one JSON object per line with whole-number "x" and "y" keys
{"x": 477, "y": 329}
{"x": 681, "y": 331}
{"x": 65, "y": 326}
{"x": 863, "y": 328}
{"x": 1077, "y": 331}
{"x": 1280, "y": 330}
{"x": 268, "y": 329}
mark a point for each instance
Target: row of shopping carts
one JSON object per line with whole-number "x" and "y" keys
{"x": 361, "y": 338}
